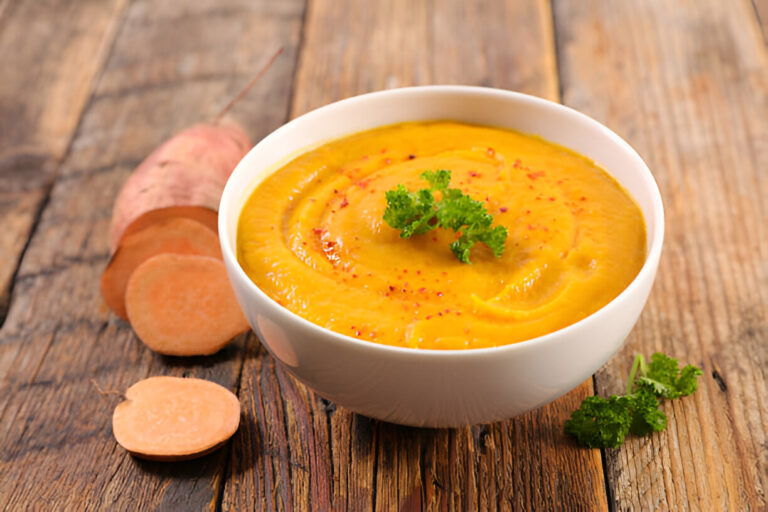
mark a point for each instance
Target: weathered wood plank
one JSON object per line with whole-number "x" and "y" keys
{"x": 51, "y": 53}
{"x": 167, "y": 69}
{"x": 305, "y": 453}
{"x": 761, "y": 7}
{"x": 687, "y": 85}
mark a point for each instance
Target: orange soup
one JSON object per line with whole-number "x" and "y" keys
{"x": 311, "y": 236}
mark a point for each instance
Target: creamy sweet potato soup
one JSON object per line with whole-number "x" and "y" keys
{"x": 312, "y": 237}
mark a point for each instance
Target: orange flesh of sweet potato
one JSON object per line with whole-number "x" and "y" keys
{"x": 183, "y": 305}
{"x": 205, "y": 216}
{"x": 171, "y": 418}
{"x": 189, "y": 169}
{"x": 174, "y": 235}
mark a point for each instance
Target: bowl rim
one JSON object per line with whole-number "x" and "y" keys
{"x": 647, "y": 271}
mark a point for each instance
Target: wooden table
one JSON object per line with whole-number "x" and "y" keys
{"x": 88, "y": 88}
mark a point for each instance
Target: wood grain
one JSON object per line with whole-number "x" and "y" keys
{"x": 304, "y": 453}
{"x": 51, "y": 53}
{"x": 689, "y": 89}
{"x": 168, "y": 68}
{"x": 761, "y": 7}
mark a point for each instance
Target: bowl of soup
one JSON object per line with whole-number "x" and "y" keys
{"x": 399, "y": 328}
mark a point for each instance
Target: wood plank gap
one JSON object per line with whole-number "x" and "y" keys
{"x": 375, "y": 472}
{"x": 761, "y": 14}
{"x": 226, "y": 467}
{"x": 558, "y": 58}
{"x": 299, "y": 60}
{"x": 6, "y": 296}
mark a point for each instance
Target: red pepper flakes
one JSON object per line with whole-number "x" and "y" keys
{"x": 434, "y": 239}
{"x": 527, "y": 212}
{"x": 439, "y": 294}
{"x": 551, "y": 198}
{"x": 531, "y": 227}
{"x": 503, "y": 209}
{"x": 405, "y": 271}
{"x": 535, "y": 175}
{"x": 318, "y": 231}
{"x": 365, "y": 157}
{"x": 383, "y": 150}
{"x": 491, "y": 152}
{"x": 474, "y": 174}
{"x": 583, "y": 198}
{"x": 422, "y": 289}
{"x": 439, "y": 313}
{"x": 335, "y": 191}
{"x": 387, "y": 161}
{"x": 418, "y": 272}
{"x": 411, "y": 157}
{"x": 391, "y": 288}
{"x": 344, "y": 203}
{"x": 444, "y": 273}
{"x": 354, "y": 276}
{"x": 517, "y": 163}
{"x": 357, "y": 333}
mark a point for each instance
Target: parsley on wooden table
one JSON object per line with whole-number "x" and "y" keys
{"x": 417, "y": 212}
{"x": 601, "y": 423}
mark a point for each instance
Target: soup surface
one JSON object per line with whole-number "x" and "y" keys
{"x": 311, "y": 236}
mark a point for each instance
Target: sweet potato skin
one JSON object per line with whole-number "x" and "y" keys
{"x": 189, "y": 169}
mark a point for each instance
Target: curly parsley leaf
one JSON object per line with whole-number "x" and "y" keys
{"x": 646, "y": 415}
{"x": 601, "y": 423}
{"x": 417, "y": 212}
{"x": 665, "y": 379}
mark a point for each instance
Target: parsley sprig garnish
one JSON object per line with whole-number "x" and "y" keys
{"x": 601, "y": 423}
{"x": 417, "y": 212}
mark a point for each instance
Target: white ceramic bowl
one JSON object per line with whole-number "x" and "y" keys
{"x": 455, "y": 387}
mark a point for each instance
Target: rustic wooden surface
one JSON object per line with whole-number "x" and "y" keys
{"x": 88, "y": 88}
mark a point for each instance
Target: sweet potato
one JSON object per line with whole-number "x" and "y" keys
{"x": 171, "y": 418}
{"x": 183, "y": 305}
{"x": 174, "y": 235}
{"x": 190, "y": 169}
{"x": 205, "y": 216}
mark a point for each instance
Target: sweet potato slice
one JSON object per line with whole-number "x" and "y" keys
{"x": 183, "y": 305}
{"x": 174, "y": 235}
{"x": 171, "y": 418}
{"x": 203, "y": 215}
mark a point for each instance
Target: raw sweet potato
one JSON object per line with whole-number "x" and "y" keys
{"x": 174, "y": 235}
{"x": 171, "y": 418}
{"x": 206, "y": 216}
{"x": 183, "y": 305}
{"x": 190, "y": 169}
